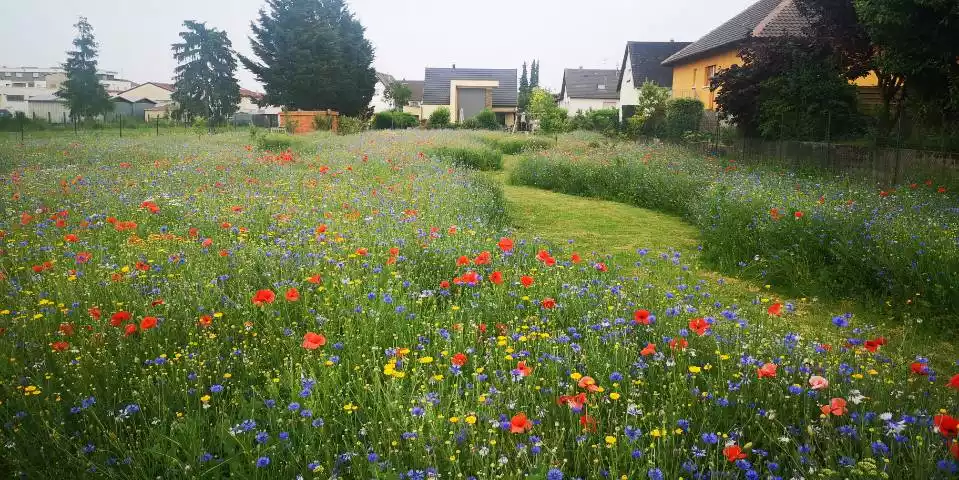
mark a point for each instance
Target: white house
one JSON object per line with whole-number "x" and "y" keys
{"x": 587, "y": 89}
{"x": 379, "y": 102}
{"x": 642, "y": 61}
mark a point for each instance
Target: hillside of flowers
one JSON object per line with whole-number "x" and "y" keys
{"x": 894, "y": 247}
{"x": 183, "y": 307}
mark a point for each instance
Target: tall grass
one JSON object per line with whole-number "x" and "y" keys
{"x": 818, "y": 235}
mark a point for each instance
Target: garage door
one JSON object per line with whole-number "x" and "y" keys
{"x": 470, "y": 102}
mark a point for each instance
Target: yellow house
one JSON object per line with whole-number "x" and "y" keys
{"x": 695, "y": 65}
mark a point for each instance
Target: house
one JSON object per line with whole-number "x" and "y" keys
{"x": 157, "y": 92}
{"x": 416, "y": 96}
{"x": 694, "y": 66}
{"x": 468, "y": 91}
{"x": 642, "y": 62}
{"x": 379, "y": 103}
{"x": 588, "y": 89}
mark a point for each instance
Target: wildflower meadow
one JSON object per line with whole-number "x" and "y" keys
{"x": 359, "y": 307}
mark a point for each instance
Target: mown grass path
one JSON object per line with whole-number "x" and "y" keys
{"x": 619, "y": 230}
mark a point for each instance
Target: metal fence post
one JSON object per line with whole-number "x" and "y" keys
{"x": 828, "y": 138}
{"x": 20, "y": 116}
{"x": 121, "y": 125}
{"x": 158, "y": 126}
{"x": 895, "y": 173}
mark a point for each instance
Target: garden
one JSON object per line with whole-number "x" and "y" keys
{"x": 378, "y": 306}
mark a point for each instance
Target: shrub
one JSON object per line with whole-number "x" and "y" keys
{"x": 322, "y": 122}
{"x": 516, "y": 145}
{"x": 470, "y": 124}
{"x": 487, "y": 120}
{"x": 477, "y": 158}
{"x": 605, "y": 121}
{"x": 394, "y": 120}
{"x": 351, "y": 125}
{"x": 440, "y": 118}
{"x": 274, "y": 142}
{"x": 683, "y": 115}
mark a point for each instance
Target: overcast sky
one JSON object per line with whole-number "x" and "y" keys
{"x": 408, "y": 35}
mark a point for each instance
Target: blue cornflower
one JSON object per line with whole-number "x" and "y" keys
{"x": 261, "y": 437}
{"x": 262, "y": 462}
{"x": 654, "y": 474}
{"x": 710, "y": 438}
{"x": 554, "y": 474}
{"x": 216, "y": 388}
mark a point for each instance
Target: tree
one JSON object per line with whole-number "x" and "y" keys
{"x": 650, "y": 111}
{"x": 398, "y": 94}
{"x": 918, "y": 42}
{"x": 534, "y": 75}
{"x": 543, "y": 108}
{"x": 313, "y": 55}
{"x": 82, "y": 90}
{"x": 205, "y": 83}
{"x": 524, "y": 90}
{"x": 785, "y": 85}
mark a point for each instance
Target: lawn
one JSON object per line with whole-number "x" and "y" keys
{"x": 358, "y": 307}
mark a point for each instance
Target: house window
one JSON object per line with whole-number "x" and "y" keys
{"x": 710, "y": 73}
{"x": 18, "y": 84}
{"x": 36, "y": 75}
{"x": 19, "y": 74}
{"x": 14, "y": 98}
{"x": 601, "y": 87}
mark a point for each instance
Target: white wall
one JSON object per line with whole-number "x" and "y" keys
{"x": 628, "y": 95}
{"x": 572, "y": 105}
{"x": 19, "y": 106}
{"x": 56, "y": 110}
{"x": 379, "y": 103}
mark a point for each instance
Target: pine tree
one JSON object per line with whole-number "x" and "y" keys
{"x": 524, "y": 90}
{"x": 534, "y": 75}
{"x": 82, "y": 90}
{"x": 313, "y": 55}
{"x": 205, "y": 83}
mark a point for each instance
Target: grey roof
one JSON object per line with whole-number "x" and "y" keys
{"x": 385, "y": 78}
{"x": 436, "y": 90}
{"x": 763, "y": 18}
{"x": 585, "y": 83}
{"x": 645, "y": 61}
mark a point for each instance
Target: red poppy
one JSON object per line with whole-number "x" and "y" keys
{"x": 648, "y": 350}
{"x": 148, "y": 323}
{"x": 919, "y": 368}
{"x": 520, "y": 424}
{"x": 548, "y": 303}
{"x": 837, "y": 407}
{"x": 459, "y": 359}
{"x": 362, "y": 252}
{"x": 798, "y": 214}
{"x": 524, "y": 371}
{"x": 601, "y": 266}
{"x": 774, "y": 213}
{"x": 60, "y": 345}
{"x": 444, "y": 284}
{"x": 733, "y": 453}
{"x": 70, "y": 238}
{"x": 946, "y": 424}
{"x": 312, "y": 341}
{"x": 321, "y": 229}
{"x": 505, "y": 244}
{"x": 156, "y": 302}
{"x": 66, "y": 329}
{"x": 194, "y": 232}
{"x": 496, "y": 277}
{"x": 83, "y": 257}
{"x": 641, "y": 317}
{"x": 292, "y": 294}
{"x": 954, "y": 382}
{"x": 526, "y": 280}
{"x": 94, "y": 312}
{"x": 118, "y": 318}
{"x": 768, "y": 370}
{"x": 588, "y": 423}
{"x": 954, "y": 449}
{"x": 482, "y": 259}
{"x": 775, "y": 309}
{"x": 589, "y": 383}
{"x": 206, "y": 321}
{"x": 315, "y": 279}
{"x": 678, "y": 343}
{"x": 699, "y": 325}
{"x": 263, "y": 296}
{"x": 575, "y": 258}
{"x": 463, "y": 260}
{"x": 206, "y": 242}
{"x": 574, "y": 402}
{"x": 130, "y": 329}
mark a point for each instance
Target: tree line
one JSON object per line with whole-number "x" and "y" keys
{"x": 308, "y": 54}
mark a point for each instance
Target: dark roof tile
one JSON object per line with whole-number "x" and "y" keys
{"x": 436, "y": 90}
{"x": 586, "y": 82}
{"x": 645, "y": 61}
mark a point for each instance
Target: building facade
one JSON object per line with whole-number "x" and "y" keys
{"x": 587, "y": 89}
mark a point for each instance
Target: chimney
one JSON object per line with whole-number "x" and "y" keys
{"x": 454, "y": 66}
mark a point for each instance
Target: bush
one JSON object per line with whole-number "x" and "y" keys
{"x": 351, "y": 125}
{"x": 274, "y": 142}
{"x": 477, "y": 158}
{"x": 322, "y": 122}
{"x": 516, "y": 145}
{"x": 605, "y": 121}
{"x": 470, "y": 124}
{"x": 440, "y": 118}
{"x": 394, "y": 120}
{"x": 487, "y": 120}
{"x": 683, "y": 115}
